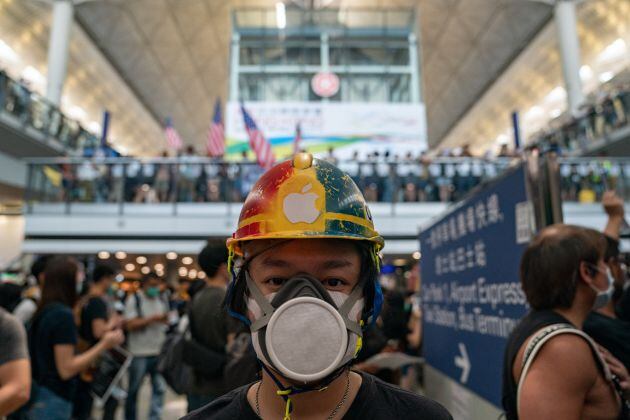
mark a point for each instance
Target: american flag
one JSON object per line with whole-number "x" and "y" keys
{"x": 297, "y": 139}
{"x": 257, "y": 142}
{"x": 172, "y": 137}
{"x": 216, "y": 134}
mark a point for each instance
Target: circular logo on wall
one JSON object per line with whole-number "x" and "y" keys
{"x": 325, "y": 84}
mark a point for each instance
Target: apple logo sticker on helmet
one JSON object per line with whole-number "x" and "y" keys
{"x": 300, "y": 207}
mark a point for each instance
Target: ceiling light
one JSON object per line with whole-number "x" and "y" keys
{"x": 281, "y": 15}
{"x": 141, "y": 260}
{"x": 33, "y": 75}
{"x": 399, "y": 262}
{"x": 171, "y": 255}
{"x": 502, "y": 139}
{"x": 534, "y": 112}
{"x": 103, "y": 255}
{"x": 130, "y": 267}
{"x": 586, "y": 73}
{"x": 201, "y": 275}
{"x": 7, "y": 53}
{"x": 94, "y": 127}
{"x": 145, "y": 270}
{"x": 416, "y": 255}
{"x": 183, "y": 271}
{"x": 187, "y": 260}
{"x": 615, "y": 50}
{"x": 192, "y": 273}
{"x": 606, "y": 76}
{"x": 158, "y": 267}
{"x": 121, "y": 255}
{"x": 119, "y": 278}
{"x": 557, "y": 94}
{"x": 76, "y": 112}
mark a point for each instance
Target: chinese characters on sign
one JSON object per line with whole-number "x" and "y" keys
{"x": 472, "y": 298}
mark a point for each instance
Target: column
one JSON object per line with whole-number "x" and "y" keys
{"x": 569, "y": 45}
{"x": 63, "y": 11}
{"x": 324, "y": 56}
{"x": 414, "y": 68}
{"x": 234, "y": 66}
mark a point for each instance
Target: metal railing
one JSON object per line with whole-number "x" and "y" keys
{"x": 205, "y": 180}
{"x": 33, "y": 110}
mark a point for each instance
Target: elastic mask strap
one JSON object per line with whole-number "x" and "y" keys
{"x": 264, "y": 304}
{"x": 230, "y": 293}
{"x": 286, "y": 392}
{"x": 346, "y": 307}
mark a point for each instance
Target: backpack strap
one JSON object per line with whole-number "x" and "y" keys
{"x": 138, "y": 305}
{"x": 543, "y": 335}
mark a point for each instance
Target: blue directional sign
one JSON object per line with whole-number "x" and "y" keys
{"x": 471, "y": 293}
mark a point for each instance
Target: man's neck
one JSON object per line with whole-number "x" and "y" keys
{"x": 580, "y": 308}
{"x": 216, "y": 281}
{"x": 307, "y": 405}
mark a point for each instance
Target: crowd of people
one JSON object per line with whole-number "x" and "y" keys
{"x": 607, "y": 111}
{"x": 228, "y": 342}
{"x": 71, "y": 322}
{"x": 18, "y": 98}
{"x": 382, "y": 178}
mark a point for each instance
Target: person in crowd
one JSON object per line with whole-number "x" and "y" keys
{"x": 330, "y": 156}
{"x": 53, "y": 340}
{"x": 208, "y": 323}
{"x": 306, "y": 283}
{"x": 25, "y": 310}
{"x": 146, "y": 318}
{"x": 15, "y": 367}
{"x": 603, "y": 324}
{"x": 10, "y": 291}
{"x": 95, "y": 318}
{"x": 563, "y": 275}
{"x": 188, "y": 174}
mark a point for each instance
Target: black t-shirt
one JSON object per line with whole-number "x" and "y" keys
{"x": 95, "y": 308}
{"x": 55, "y": 325}
{"x": 375, "y": 400}
{"x": 613, "y": 334}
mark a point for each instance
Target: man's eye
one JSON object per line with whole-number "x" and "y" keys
{"x": 276, "y": 281}
{"x": 334, "y": 282}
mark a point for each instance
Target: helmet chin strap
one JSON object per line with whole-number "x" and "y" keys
{"x": 286, "y": 391}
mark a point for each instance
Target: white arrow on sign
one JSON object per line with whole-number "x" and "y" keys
{"x": 463, "y": 362}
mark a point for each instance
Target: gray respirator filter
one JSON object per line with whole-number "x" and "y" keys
{"x": 304, "y": 331}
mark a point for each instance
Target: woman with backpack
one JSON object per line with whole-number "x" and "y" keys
{"x": 53, "y": 339}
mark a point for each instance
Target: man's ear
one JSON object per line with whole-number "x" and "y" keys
{"x": 586, "y": 272}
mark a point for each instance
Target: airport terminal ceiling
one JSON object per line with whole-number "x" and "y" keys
{"x": 175, "y": 54}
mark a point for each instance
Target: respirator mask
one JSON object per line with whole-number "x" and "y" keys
{"x": 303, "y": 331}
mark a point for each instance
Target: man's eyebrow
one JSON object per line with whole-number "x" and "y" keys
{"x": 341, "y": 263}
{"x": 274, "y": 263}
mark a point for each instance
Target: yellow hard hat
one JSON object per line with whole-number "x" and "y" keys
{"x": 304, "y": 198}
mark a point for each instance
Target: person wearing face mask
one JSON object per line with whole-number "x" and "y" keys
{"x": 304, "y": 262}
{"x": 603, "y": 324}
{"x": 552, "y": 369}
{"x": 52, "y": 338}
{"x": 94, "y": 318}
{"x": 146, "y": 318}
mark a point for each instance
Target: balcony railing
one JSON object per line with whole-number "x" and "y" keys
{"x": 202, "y": 180}
{"x": 33, "y": 110}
